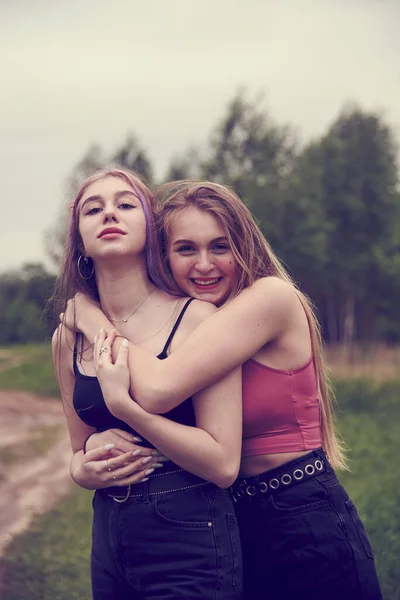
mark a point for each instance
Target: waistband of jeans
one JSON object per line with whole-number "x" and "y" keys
{"x": 159, "y": 483}
{"x": 289, "y": 474}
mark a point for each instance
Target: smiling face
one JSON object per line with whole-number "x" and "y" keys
{"x": 200, "y": 257}
{"x": 111, "y": 219}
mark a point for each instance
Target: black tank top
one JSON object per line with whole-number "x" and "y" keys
{"x": 91, "y": 408}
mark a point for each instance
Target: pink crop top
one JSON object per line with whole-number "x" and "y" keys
{"x": 281, "y": 410}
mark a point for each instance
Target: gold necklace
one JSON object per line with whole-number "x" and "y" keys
{"x": 126, "y": 319}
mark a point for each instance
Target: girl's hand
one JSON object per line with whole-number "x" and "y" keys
{"x": 113, "y": 377}
{"x": 98, "y": 469}
{"x": 123, "y": 442}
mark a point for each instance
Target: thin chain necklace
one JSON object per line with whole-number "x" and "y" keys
{"x": 126, "y": 319}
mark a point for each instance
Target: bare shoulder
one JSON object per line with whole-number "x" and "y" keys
{"x": 197, "y": 311}
{"x": 269, "y": 292}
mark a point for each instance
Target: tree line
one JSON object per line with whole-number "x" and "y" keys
{"x": 330, "y": 208}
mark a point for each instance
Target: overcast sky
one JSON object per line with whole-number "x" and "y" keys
{"x": 77, "y": 72}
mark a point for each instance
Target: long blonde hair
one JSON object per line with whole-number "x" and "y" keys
{"x": 255, "y": 259}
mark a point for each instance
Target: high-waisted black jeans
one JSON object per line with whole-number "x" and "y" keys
{"x": 305, "y": 542}
{"x": 175, "y": 545}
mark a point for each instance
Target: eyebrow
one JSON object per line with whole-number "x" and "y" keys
{"x": 218, "y": 239}
{"x": 117, "y": 196}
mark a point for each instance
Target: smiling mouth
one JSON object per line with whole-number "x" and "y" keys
{"x": 206, "y": 283}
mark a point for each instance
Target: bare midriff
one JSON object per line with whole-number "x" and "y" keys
{"x": 253, "y": 465}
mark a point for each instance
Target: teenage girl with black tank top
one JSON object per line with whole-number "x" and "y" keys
{"x": 301, "y": 535}
{"x": 174, "y": 534}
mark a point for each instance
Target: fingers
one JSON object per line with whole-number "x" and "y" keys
{"x": 123, "y": 440}
{"x": 103, "y": 347}
{"x": 117, "y": 470}
{"x": 99, "y": 453}
{"x": 122, "y": 356}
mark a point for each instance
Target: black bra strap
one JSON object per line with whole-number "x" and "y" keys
{"x": 76, "y": 370}
{"x": 175, "y": 327}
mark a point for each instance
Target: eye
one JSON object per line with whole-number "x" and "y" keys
{"x": 185, "y": 249}
{"x": 125, "y": 206}
{"x": 94, "y": 210}
{"x": 220, "y": 248}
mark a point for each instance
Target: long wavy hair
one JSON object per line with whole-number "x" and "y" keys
{"x": 70, "y": 281}
{"x": 255, "y": 259}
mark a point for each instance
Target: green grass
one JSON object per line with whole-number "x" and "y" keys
{"x": 51, "y": 561}
{"x": 34, "y": 373}
{"x": 370, "y": 424}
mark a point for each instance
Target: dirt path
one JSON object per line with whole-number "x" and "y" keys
{"x": 31, "y": 480}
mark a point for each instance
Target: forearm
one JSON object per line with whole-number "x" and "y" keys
{"x": 90, "y": 321}
{"x": 191, "y": 448}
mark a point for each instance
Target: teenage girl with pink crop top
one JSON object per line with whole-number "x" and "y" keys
{"x": 301, "y": 535}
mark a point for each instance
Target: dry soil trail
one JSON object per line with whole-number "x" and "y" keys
{"x": 30, "y": 482}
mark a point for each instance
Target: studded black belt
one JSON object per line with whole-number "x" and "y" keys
{"x": 289, "y": 474}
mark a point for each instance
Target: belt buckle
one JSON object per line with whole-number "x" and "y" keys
{"x": 122, "y": 500}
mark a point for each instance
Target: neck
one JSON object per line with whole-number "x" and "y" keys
{"x": 122, "y": 289}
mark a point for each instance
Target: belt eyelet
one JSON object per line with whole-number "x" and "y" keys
{"x": 251, "y": 490}
{"x": 298, "y": 474}
{"x": 263, "y": 487}
{"x": 286, "y": 479}
{"x": 274, "y": 483}
{"x": 309, "y": 469}
{"x": 319, "y": 465}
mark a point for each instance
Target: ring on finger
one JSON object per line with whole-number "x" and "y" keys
{"x": 103, "y": 349}
{"x": 107, "y": 465}
{"x": 114, "y": 475}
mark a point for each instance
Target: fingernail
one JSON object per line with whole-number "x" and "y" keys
{"x": 109, "y": 446}
{"x": 137, "y": 439}
{"x": 95, "y": 339}
{"x": 137, "y": 452}
{"x": 157, "y": 465}
{"x": 162, "y": 458}
{"x": 149, "y": 471}
{"x": 125, "y": 343}
{"x": 101, "y": 330}
{"x": 155, "y": 453}
{"x": 146, "y": 460}
{"x": 144, "y": 479}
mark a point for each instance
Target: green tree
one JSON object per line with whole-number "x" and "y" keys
{"x": 24, "y": 295}
{"x": 361, "y": 204}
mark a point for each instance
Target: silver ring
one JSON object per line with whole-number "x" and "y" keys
{"x": 103, "y": 350}
{"x": 309, "y": 469}
{"x": 113, "y": 475}
{"x": 107, "y": 465}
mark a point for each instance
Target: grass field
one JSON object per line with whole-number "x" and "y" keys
{"x": 30, "y": 368}
{"x": 50, "y": 562}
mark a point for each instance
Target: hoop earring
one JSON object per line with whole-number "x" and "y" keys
{"x": 85, "y": 260}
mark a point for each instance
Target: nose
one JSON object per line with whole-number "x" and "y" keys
{"x": 109, "y": 213}
{"x": 204, "y": 264}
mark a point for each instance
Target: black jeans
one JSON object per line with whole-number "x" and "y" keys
{"x": 169, "y": 545}
{"x": 306, "y": 541}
